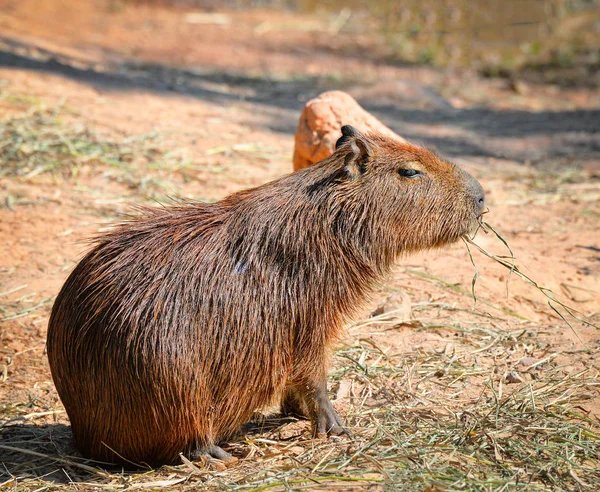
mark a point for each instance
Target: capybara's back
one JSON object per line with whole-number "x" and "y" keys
{"x": 180, "y": 323}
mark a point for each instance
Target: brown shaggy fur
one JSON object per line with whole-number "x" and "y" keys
{"x": 179, "y": 324}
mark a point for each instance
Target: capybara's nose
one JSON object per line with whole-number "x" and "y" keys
{"x": 480, "y": 198}
{"x": 476, "y": 191}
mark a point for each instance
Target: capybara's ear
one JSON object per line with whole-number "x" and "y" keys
{"x": 348, "y": 132}
{"x": 360, "y": 150}
{"x": 358, "y": 156}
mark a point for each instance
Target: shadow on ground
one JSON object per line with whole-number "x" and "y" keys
{"x": 39, "y": 451}
{"x": 475, "y": 132}
{"x": 48, "y": 453}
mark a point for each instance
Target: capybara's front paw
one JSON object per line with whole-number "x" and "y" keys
{"x": 329, "y": 422}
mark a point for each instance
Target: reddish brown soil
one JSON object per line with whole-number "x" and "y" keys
{"x": 126, "y": 72}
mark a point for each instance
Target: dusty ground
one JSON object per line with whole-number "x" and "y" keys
{"x": 202, "y": 109}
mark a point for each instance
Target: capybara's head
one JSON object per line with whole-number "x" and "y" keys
{"x": 417, "y": 200}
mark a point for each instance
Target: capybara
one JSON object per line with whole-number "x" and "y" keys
{"x": 180, "y": 323}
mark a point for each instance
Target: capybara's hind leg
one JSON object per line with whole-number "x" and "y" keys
{"x": 211, "y": 451}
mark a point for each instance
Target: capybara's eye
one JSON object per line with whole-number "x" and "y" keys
{"x": 409, "y": 173}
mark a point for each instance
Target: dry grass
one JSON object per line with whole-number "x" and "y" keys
{"x": 447, "y": 418}
{"x": 48, "y": 144}
{"x": 491, "y": 408}
{"x": 38, "y": 142}
{"x": 564, "y": 311}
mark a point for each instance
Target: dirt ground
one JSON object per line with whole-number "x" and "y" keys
{"x": 206, "y": 105}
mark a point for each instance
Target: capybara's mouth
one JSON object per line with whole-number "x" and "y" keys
{"x": 474, "y": 225}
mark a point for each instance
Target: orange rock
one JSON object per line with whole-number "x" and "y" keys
{"x": 320, "y": 126}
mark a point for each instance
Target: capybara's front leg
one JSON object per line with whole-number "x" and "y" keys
{"x": 325, "y": 419}
{"x": 311, "y": 400}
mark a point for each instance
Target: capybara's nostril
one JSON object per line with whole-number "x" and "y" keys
{"x": 481, "y": 201}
